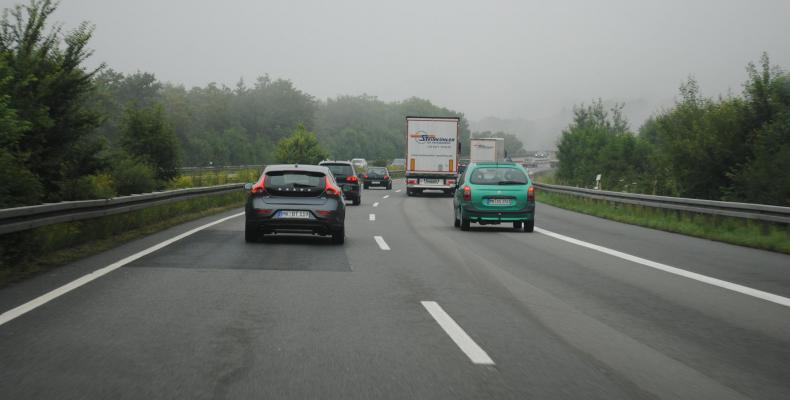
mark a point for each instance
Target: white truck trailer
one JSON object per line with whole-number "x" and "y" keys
{"x": 432, "y": 149}
{"x": 487, "y": 149}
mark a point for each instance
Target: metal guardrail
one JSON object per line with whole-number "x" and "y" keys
{"x": 760, "y": 212}
{"x": 29, "y": 217}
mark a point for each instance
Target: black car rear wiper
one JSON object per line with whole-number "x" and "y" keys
{"x": 511, "y": 183}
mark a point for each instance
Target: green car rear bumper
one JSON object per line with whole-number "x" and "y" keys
{"x": 475, "y": 215}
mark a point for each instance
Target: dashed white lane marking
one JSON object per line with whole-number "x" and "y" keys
{"x": 376, "y": 204}
{"x": 398, "y": 191}
{"x": 464, "y": 342}
{"x": 372, "y": 217}
{"x": 47, "y": 297}
{"x": 674, "y": 270}
{"x": 386, "y": 197}
{"x": 382, "y": 244}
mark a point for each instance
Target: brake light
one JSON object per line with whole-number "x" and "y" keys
{"x": 259, "y": 187}
{"x": 325, "y": 213}
{"x": 366, "y": 176}
{"x": 264, "y": 211}
{"x": 386, "y": 177}
{"x": 451, "y": 181}
{"x": 411, "y": 181}
{"x": 531, "y": 193}
{"x": 331, "y": 190}
{"x": 467, "y": 193}
{"x": 352, "y": 178}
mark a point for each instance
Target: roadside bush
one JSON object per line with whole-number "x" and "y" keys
{"x": 18, "y": 186}
{"x": 99, "y": 186}
{"x": 130, "y": 176}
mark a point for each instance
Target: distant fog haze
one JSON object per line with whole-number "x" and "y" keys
{"x": 506, "y": 59}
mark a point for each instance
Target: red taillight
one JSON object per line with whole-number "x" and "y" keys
{"x": 531, "y": 193}
{"x": 366, "y": 176}
{"x": 259, "y": 186}
{"x": 264, "y": 211}
{"x": 386, "y": 177}
{"x": 467, "y": 193}
{"x": 331, "y": 190}
{"x": 411, "y": 181}
{"x": 325, "y": 213}
{"x": 352, "y": 178}
{"x": 451, "y": 181}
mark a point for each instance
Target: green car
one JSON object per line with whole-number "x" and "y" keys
{"x": 493, "y": 193}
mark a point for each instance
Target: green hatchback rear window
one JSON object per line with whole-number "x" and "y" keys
{"x": 498, "y": 176}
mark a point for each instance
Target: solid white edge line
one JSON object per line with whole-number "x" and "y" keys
{"x": 382, "y": 244}
{"x": 386, "y": 197}
{"x": 784, "y": 301}
{"x": 376, "y": 204}
{"x": 49, "y": 296}
{"x": 372, "y": 217}
{"x": 464, "y": 342}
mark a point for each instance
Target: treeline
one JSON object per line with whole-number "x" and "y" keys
{"x": 71, "y": 133}
{"x": 734, "y": 148}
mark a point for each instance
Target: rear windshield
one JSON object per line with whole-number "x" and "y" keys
{"x": 339, "y": 170}
{"x": 294, "y": 181}
{"x": 377, "y": 171}
{"x": 498, "y": 176}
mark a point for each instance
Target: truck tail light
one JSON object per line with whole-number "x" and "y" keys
{"x": 450, "y": 181}
{"x": 467, "y": 193}
{"x": 411, "y": 181}
{"x": 531, "y": 193}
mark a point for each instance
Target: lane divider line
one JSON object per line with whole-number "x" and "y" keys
{"x": 784, "y": 301}
{"x": 52, "y": 295}
{"x": 386, "y": 197}
{"x": 376, "y": 204}
{"x": 398, "y": 191}
{"x": 382, "y": 244}
{"x": 461, "y": 339}
{"x": 372, "y": 217}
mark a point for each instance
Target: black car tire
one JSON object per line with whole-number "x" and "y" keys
{"x": 456, "y": 222}
{"x": 529, "y": 226}
{"x": 357, "y": 200}
{"x": 409, "y": 192}
{"x": 339, "y": 236}
{"x": 366, "y": 186}
{"x": 251, "y": 234}
{"x": 518, "y": 225}
{"x": 389, "y": 186}
{"x": 465, "y": 224}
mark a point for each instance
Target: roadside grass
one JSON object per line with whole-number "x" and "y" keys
{"x": 739, "y": 231}
{"x": 24, "y": 254}
{"x": 213, "y": 177}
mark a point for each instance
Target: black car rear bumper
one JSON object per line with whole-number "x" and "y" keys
{"x": 322, "y": 226}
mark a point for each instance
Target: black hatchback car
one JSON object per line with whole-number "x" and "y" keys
{"x": 346, "y": 177}
{"x": 295, "y": 198}
{"x": 377, "y": 176}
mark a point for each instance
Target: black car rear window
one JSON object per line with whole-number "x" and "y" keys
{"x": 498, "y": 176}
{"x": 295, "y": 181}
{"x": 340, "y": 169}
{"x": 377, "y": 171}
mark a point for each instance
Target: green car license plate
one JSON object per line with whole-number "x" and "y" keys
{"x": 499, "y": 202}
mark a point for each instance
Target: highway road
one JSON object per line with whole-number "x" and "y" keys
{"x": 409, "y": 307}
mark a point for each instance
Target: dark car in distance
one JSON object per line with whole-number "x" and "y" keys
{"x": 377, "y": 176}
{"x": 295, "y": 199}
{"x": 346, "y": 176}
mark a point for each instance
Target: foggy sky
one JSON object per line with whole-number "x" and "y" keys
{"x": 512, "y": 59}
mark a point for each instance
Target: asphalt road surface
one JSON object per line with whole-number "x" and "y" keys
{"x": 409, "y": 307}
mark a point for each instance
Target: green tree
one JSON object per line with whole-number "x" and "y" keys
{"x": 148, "y": 136}
{"x": 48, "y": 88}
{"x": 301, "y": 147}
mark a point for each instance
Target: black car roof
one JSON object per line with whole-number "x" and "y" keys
{"x": 344, "y": 162}
{"x": 296, "y": 167}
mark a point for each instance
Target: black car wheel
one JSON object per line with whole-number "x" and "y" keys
{"x": 465, "y": 223}
{"x": 517, "y": 225}
{"x": 389, "y": 186}
{"x": 357, "y": 200}
{"x": 366, "y": 186}
{"x": 251, "y": 234}
{"x": 456, "y": 222}
{"x": 339, "y": 236}
{"x": 529, "y": 226}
